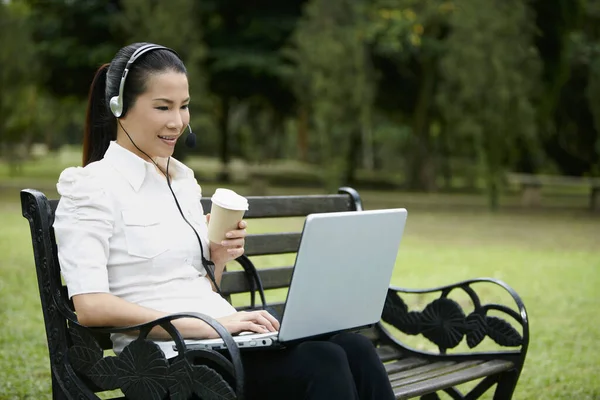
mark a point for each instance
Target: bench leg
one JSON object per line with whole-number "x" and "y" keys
{"x": 57, "y": 392}
{"x": 481, "y": 388}
{"x": 506, "y": 385}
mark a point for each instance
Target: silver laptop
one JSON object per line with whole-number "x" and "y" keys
{"x": 342, "y": 272}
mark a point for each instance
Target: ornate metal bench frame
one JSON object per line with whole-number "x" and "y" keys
{"x": 80, "y": 369}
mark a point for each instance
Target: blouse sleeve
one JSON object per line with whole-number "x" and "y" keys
{"x": 83, "y": 226}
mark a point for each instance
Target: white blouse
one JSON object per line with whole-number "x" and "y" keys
{"x": 119, "y": 231}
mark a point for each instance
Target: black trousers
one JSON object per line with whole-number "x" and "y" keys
{"x": 343, "y": 367}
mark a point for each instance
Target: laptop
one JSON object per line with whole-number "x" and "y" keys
{"x": 341, "y": 275}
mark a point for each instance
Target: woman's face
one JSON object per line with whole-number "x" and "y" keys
{"x": 158, "y": 117}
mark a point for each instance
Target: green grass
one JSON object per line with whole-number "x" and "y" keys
{"x": 550, "y": 256}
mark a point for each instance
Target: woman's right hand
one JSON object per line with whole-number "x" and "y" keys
{"x": 256, "y": 321}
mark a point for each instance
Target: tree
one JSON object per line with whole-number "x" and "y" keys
{"x": 17, "y": 80}
{"x": 568, "y": 115}
{"x": 73, "y": 38}
{"x": 333, "y": 83}
{"x": 69, "y": 41}
{"x": 489, "y": 73}
{"x": 593, "y": 90}
{"x": 407, "y": 40}
{"x": 246, "y": 71}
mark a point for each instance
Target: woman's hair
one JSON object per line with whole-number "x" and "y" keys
{"x": 100, "y": 123}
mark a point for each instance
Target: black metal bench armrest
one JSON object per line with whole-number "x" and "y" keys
{"x": 179, "y": 374}
{"x": 444, "y": 323}
{"x": 166, "y": 323}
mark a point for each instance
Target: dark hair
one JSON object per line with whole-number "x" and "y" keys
{"x": 100, "y": 124}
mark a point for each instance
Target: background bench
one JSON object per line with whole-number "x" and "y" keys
{"x": 531, "y": 187}
{"x": 81, "y": 367}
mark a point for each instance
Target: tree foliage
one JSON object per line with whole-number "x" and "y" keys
{"x": 333, "y": 82}
{"x": 398, "y": 86}
{"x": 407, "y": 38}
{"x": 489, "y": 71}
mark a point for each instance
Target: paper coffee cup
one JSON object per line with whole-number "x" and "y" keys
{"x": 227, "y": 211}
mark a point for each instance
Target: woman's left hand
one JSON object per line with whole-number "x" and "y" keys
{"x": 230, "y": 248}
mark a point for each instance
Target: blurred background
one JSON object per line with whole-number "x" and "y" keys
{"x": 433, "y": 95}
{"x": 451, "y": 108}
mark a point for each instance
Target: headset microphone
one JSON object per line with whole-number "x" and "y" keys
{"x": 190, "y": 139}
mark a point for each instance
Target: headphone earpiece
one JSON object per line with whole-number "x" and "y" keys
{"x": 115, "y": 106}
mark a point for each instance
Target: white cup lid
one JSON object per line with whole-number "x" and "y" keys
{"x": 229, "y": 199}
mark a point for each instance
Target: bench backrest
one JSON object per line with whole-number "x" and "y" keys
{"x": 53, "y": 294}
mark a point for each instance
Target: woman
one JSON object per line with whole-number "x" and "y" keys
{"x": 128, "y": 228}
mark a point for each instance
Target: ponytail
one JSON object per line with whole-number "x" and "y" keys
{"x": 100, "y": 128}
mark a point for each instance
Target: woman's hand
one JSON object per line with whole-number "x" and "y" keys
{"x": 256, "y": 321}
{"x": 230, "y": 248}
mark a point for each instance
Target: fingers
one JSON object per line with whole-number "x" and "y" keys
{"x": 265, "y": 319}
{"x": 235, "y": 253}
{"x": 252, "y": 326}
{"x": 233, "y": 242}
{"x": 235, "y": 234}
{"x": 238, "y": 233}
{"x": 272, "y": 319}
{"x": 261, "y": 318}
{"x": 235, "y": 245}
{"x": 242, "y": 326}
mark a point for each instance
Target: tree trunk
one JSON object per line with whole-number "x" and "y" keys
{"x": 224, "y": 175}
{"x": 493, "y": 165}
{"x": 352, "y": 157}
{"x": 368, "y": 158}
{"x": 493, "y": 194}
{"x": 278, "y": 130}
{"x": 445, "y": 157}
{"x": 303, "y": 133}
{"x": 421, "y": 168}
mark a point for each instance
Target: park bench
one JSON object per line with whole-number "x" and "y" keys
{"x": 531, "y": 187}
{"x": 82, "y": 364}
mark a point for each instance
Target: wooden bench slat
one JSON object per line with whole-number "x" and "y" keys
{"x": 272, "y": 243}
{"x": 291, "y": 206}
{"x": 404, "y": 364}
{"x": 426, "y": 368}
{"x": 388, "y": 353}
{"x": 435, "y": 370}
{"x": 452, "y": 379}
{"x": 281, "y": 206}
{"x": 272, "y": 278}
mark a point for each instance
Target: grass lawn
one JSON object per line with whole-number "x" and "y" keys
{"x": 550, "y": 256}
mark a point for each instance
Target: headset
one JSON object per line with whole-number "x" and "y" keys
{"x": 116, "y": 102}
{"x": 116, "y": 107}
